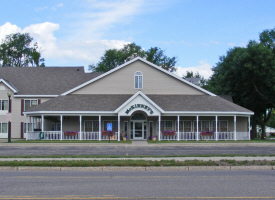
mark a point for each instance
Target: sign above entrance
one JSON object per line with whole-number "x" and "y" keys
{"x": 135, "y": 106}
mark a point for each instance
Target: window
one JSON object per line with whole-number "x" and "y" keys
{"x": 30, "y": 103}
{"x": 222, "y": 126}
{"x": 203, "y": 126}
{"x": 27, "y": 127}
{"x": 3, "y": 127}
{"x": 165, "y": 125}
{"x": 4, "y": 104}
{"x": 138, "y": 116}
{"x": 138, "y": 80}
{"x": 185, "y": 126}
{"x": 91, "y": 126}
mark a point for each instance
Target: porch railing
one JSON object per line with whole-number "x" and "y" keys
{"x": 220, "y": 136}
{"x": 56, "y": 135}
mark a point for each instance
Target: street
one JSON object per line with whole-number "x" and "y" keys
{"x": 138, "y": 185}
{"x": 131, "y": 150}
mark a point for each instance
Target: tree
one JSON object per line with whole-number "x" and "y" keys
{"x": 203, "y": 81}
{"x": 114, "y": 57}
{"x": 17, "y": 51}
{"x": 248, "y": 75}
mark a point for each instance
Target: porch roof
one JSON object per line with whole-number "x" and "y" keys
{"x": 105, "y": 102}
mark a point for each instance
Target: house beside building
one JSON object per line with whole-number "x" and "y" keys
{"x": 138, "y": 99}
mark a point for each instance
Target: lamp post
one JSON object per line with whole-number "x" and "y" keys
{"x": 9, "y": 124}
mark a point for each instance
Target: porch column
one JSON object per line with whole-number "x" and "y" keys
{"x": 235, "y": 132}
{"x": 216, "y": 128}
{"x": 178, "y": 128}
{"x": 118, "y": 127}
{"x": 99, "y": 127}
{"x": 159, "y": 126}
{"x": 29, "y": 124}
{"x": 249, "y": 127}
{"x": 80, "y": 127}
{"x": 61, "y": 127}
{"x": 32, "y": 124}
{"x": 197, "y": 128}
{"x": 42, "y": 123}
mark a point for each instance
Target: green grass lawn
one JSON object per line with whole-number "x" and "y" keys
{"x": 136, "y": 163}
{"x": 211, "y": 141}
{"x": 133, "y": 156}
{"x": 71, "y": 141}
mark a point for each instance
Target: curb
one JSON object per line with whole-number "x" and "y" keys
{"x": 179, "y": 168}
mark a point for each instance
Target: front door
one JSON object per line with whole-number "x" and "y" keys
{"x": 138, "y": 130}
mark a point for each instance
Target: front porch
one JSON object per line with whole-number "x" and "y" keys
{"x": 138, "y": 126}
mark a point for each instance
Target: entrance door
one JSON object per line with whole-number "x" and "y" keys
{"x": 138, "y": 130}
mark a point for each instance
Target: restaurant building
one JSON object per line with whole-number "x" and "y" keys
{"x": 139, "y": 99}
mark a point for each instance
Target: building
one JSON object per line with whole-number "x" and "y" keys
{"x": 138, "y": 98}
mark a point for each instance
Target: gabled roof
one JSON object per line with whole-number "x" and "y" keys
{"x": 129, "y": 62}
{"x": 44, "y": 81}
{"x": 134, "y": 96}
{"x": 9, "y": 85}
{"x": 110, "y": 103}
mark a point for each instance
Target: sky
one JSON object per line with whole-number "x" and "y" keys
{"x": 196, "y": 32}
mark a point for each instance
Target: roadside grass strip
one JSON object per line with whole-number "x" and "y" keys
{"x": 134, "y": 163}
{"x": 72, "y": 141}
{"x": 213, "y": 141}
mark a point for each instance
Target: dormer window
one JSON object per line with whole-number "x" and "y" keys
{"x": 138, "y": 80}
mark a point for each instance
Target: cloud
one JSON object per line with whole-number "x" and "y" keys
{"x": 203, "y": 68}
{"x": 81, "y": 51}
{"x": 54, "y": 8}
{"x": 84, "y": 42}
{"x": 8, "y": 29}
{"x": 41, "y": 8}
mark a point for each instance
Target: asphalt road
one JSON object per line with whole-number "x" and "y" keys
{"x": 138, "y": 185}
{"x": 122, "y": 150}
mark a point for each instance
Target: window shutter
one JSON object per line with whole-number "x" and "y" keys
{"x": 39, "y": 101}
{"x": 10, "y": 105}
{"x": 22, "y": 106}
{"x": 22, "y": 129}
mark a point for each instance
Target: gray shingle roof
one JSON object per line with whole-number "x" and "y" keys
{"x": 45, "y": 80}
{"x": 101, "y": 102}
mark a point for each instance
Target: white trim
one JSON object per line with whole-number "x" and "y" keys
{"x": 178, "y": 128}
{"x": 129, "y": 62}
{"x": 99, "y": 127}
{"x": 216, "y": 126}
{"x": 35, "y": 96}
{"x": 249, "y": 127}
{"x": 159, "y": 126}
{"x": 69, "y": 112}
{"x": 208, "y": 112}
{"x": 197, "y": 120}
{"x": 8, "y": 85}
{"x": 235, "y": 127}
{"x": 118, "y": 128}
{"x": 61, "y": 127}
{"x": 133, "y": 97}
{"x": 80, "y": 127}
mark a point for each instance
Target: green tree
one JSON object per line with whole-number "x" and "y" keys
{"x": 114, "y": 57}
{"x": 16, "y": 50}
{"x": 203, "y": 81}
{"x": 248, "y": 75}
